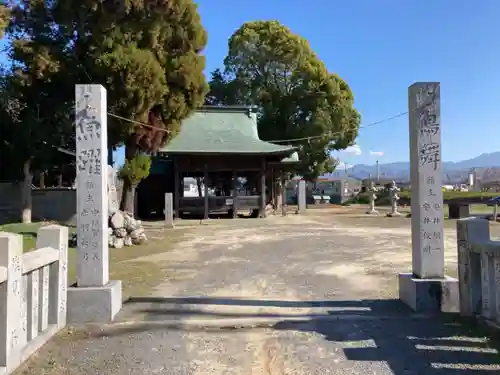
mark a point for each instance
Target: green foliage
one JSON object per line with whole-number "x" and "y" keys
{"x": 146, "y": 54}
{"x": 4, "y": 18}
{"x": 136, "y": 169}
{"x": 383, "y": 199}
{"x": 274, "y": 69}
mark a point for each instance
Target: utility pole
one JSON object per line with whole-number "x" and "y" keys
{"x": 378, "y": 172}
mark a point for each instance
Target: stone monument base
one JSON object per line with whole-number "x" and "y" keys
{"x": 94, "y": 304}
{"x": 429, "y": 295}
{"x": 394, "y": 214}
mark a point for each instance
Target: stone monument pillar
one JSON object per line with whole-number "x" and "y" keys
{"x": 94, "y": 298}
{"x": 427, "y": 289}
{"x": 394, "y": 191}
{"x": 373, "y": 197}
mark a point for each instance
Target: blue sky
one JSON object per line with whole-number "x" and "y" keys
{"x": 380, "y": 48}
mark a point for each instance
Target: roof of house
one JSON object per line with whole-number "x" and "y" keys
{"x": 227, "y": 130}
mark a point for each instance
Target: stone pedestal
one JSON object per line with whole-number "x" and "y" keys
{"x": 427, "y": 289}
{"x": 98, "y": 304}
{"x": 94, "y": 298}
{"x": 429, "y": 295}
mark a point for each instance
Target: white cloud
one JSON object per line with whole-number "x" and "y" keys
{"x": 354, "y": 149}
{"x": 376, "y": 153}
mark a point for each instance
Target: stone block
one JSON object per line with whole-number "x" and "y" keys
{"x": 458, "y": 210}
{"x": 94, "y": 304}
{"x": 429, "y": 295}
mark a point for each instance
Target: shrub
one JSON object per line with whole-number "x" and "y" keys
{"x": 136, "y": 169}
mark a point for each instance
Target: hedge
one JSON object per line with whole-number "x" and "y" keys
{"x": 383, "y": 198}
{"x": 447, "y": 195}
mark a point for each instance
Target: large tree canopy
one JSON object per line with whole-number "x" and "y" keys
{"x": 147, "y": 54}
{"x": 298, "y": 99}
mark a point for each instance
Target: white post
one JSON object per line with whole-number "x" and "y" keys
{"x": 94, "y": 299}
{"x": 169, "y": 210}
{"x": 416, "y": 289}
{"x": 301, "y": 196}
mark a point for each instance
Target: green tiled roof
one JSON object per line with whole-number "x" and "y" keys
{"x": 229, "y": 130}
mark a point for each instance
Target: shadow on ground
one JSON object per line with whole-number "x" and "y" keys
{"x": 366, "y": 330}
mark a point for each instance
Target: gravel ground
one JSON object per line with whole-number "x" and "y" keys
{"x": 309, "y": 294}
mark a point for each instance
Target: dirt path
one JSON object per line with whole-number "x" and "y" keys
{"x": 297, "y": 295}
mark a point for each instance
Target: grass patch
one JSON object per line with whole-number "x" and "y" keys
{"x": 138, "y": 278}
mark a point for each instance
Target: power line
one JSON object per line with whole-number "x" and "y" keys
{"x": 340, "y": 132}
{"x": 330, "y": 134}
{"x": 272, "y": 141}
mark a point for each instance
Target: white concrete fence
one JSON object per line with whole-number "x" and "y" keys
{"x": 478, "y": 269}
{"x": 33, "y": 288}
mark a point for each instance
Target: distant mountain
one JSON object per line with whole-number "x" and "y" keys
{"x": 487, "y": 167}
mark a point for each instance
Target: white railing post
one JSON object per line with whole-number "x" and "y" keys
{"x": 56, "y": 236}
{"x": 478, "y": 269}
{"x": 11, "y": 248}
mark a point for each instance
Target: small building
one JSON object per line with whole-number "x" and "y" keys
{"x": 220, "y": 149}
{"x": 326, "y": 189}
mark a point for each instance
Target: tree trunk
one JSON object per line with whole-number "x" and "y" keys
{"x": 26, "y": 203}
{"x": 42, "y": 180}
{"x": 128, "y": 199}
{"x": 198, "y": 183}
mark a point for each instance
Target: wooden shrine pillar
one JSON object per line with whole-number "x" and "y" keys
{"x": 205, "y": 183}
{"x": 262, "y": 209}
{"x": 278, "y": 178}
{"x": 284, "y": 197}
{"x": 235, "y": 195}
{"x": 177, "y": 190}
{"x": 273, "y": 188}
